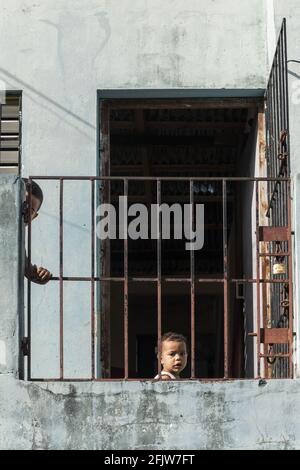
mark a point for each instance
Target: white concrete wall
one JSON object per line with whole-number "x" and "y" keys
{"x": 150, "y": 416}
{"x": 10, "y": 264}
{"x": 60, "y": 53}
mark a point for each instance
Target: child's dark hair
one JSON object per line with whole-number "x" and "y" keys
{"x": 172, "y": 336}
{"x": 36, "y": 190}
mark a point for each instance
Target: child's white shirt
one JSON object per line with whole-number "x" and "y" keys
{"x": 165, "y": 373}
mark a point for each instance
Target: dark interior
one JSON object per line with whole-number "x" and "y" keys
{"x": 178, "y": 142}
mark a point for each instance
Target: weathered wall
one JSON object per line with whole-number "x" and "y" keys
{"x": 10, "y": 291}
{"x": 64, "y": 51}
{"x": 146, "y": 415}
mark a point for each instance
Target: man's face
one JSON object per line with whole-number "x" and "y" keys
{"x": 35, "y": 205}
{"x": 173, "y": 356}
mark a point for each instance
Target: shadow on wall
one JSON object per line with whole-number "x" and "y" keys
{"x": 42, "y": 101}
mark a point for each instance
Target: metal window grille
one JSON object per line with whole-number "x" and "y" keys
{"x": 263, "y": 233}
{"x": 279, "y": 314}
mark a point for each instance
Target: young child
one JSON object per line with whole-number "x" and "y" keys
{"x": 38, "y": 275}
{"x": 173, "y": 356}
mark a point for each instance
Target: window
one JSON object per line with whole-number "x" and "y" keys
{"x": 165, "y": 286}
{"x": 10, "y": 133}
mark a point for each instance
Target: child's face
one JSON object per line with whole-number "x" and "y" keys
{"x": 35, "y": 205}
{"x": 173, "y": 356}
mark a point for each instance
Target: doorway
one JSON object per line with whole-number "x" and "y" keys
{"x": 166, "y": 138}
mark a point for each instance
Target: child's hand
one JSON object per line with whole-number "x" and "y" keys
{"x": 165, "y": 377}
{"x": 43, "y": 275}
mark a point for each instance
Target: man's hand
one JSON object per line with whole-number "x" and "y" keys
{"x": 39, "y": 275}
{"x": 43, "y": 275}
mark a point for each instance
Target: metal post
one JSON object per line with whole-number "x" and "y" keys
{"x": 93, "y": 277}
{"x": 192, "y": 285}
{"x": 226, "y": 285}
{"x": 61, "y": 258}
{"x": 158, "y": 198}
{"x": 29, "y": 280}
{"x": 126, "y": 285}
{"x": 257, "y": 276}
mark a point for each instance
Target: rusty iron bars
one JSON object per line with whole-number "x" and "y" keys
{"x": 268, "y": 235}
{"x": 278, "y": 212}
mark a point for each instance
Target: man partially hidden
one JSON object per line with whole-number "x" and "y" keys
{"x": 39, "y": 275}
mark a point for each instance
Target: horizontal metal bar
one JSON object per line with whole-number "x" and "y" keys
{"x": 9, "y": 149}
{"x": 168, "y": 279}
{"x": 129, "y": 379}
{"x": 82, "y": 279}
{"x": 274, "y": 355}
{"x": 284, "y": 253}
{"x": 12, "y": 165}
{"x": 135, "y": 279}
{"x": 262, "y": 281}
{"x": 150, "y": 379}
{"x": 154, "y": 178}
{"x": 274, "y": 335}
{"x": 275, "y": 233}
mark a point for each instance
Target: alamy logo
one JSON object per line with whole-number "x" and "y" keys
{"x": 188, "y": 223}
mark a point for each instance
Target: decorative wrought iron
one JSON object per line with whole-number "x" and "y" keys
{"x": 278, "y": 212}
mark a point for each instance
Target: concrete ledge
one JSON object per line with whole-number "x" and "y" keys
{"x": 149, "y": 415}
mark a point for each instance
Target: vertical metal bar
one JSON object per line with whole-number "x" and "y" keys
{"x": 271, "y": 139}
{"x": 226, "y": 284}
{"x": 277, "y": 201}
{"x": 158, "y": 200}
{"x": 283, "y": 65}
{"x": 257, "y": 276}
{"x": 192, "y": 262}
{"x": 93, "y": 277}
{"x": 126, "y": 286}
{"x": 274, "y": 207}
{"x": 290, "y": 274}
{"x": 274, "y": 151}
{"x": 286, "y": 94}
{"x": 0, "y": 131}
{"x": 263, "y": 203}
{"x": 104, "y": 246}
{"x": 61, "y": 269}
{"x": 271, "y": 173}
{"x": 281, "y": 128}
{"x": 267, "y": 129}
{"x": 20, "y": 133}
{"x": 29, "y": 191}
{"x": 282, "y": 216}
{"x": 288, "y": 194}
